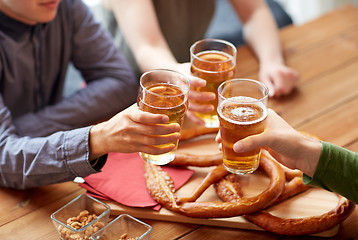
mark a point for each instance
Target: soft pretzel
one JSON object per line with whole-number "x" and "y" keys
{"x": 296, "y": 226}
{"x": 306, "y": 225}
{"x": 159, "y": 184}
{"x": 284, "y": 183}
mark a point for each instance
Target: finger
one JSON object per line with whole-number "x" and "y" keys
{"x": 281, "y": 86}
{"x": 250, "y": 143}
{"x": 159, "y": 129}
{"x": 156, "y": 150}
{"x": 268, "y": 82}
{"x": 155, "y": 140}
{"x": 201, "y": 108}
{"x": 191, "y": 115}
{"x": 196, "y": 82}
{"x": 201, "y": 96}
{"x": 218, "y": 137}
{"x": 284, "y": 81}
{"x": 149, "y": 118}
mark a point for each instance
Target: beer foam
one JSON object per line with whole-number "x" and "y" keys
{"x": 219, "y": 56}
{"x": 243, "y": 112}
{"x": 219, "y": 59}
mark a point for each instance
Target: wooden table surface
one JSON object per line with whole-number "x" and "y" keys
{"x": 324, "y": 51}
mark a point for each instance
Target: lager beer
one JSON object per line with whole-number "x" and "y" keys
{"x": 164, "y": 98}
{"x": 161, "y": 94}
{"x": 214, "y": 61}
{"x": 242, "y": 112}
{"x": 237, "y": 121}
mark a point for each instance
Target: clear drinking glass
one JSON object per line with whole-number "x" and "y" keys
{"x": 124, "y": 226}
{"x": 164, "y": 91}
{"x": 242, "y": 112}
{"x": 74, "y": 210}
{"x": 213, "y": 60}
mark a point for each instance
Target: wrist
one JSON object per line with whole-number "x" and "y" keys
{"x": 312, "y": 148}
{"x": 96, "y": 142}
{"x": 271, "y": 59}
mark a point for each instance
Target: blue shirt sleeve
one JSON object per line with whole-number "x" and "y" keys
{"x": 30, "y": 162}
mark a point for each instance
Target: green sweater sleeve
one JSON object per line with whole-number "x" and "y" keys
{"x": 337, "y": 171}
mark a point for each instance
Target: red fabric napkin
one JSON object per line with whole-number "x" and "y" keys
{"x": 122, "y": 180}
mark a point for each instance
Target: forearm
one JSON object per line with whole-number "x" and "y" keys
{"x": 309, "y": 151}
{"x": 156, "y": 56}
{"x": 143, "y": 35}
{"x": 32, "y": 162}
{"x": 97, "y": 141}
{"x": 261, "y": 33}
{"x": 99, "y": 101}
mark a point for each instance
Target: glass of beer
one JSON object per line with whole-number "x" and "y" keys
{"x": 164, "y": 91}
{"x": 242, "y": 112}
{"x": 213, "y": 60}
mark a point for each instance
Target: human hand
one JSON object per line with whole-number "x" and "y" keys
{"x": 285, "y": 144}
{"x": 195, "y": 95}
{"x": 279, "y": 78}
{"x": 133, "y": 130}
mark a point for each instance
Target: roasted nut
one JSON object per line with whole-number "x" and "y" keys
{"x": 79, "y": 222}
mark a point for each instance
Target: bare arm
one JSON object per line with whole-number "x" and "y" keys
{"x": 261, "y": 33}
{"x": 138, "y": 22}
{"x": 140, "y": 27}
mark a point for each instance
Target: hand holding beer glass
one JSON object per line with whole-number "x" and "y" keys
{"x": 213, "y": 60}
{"x": 242, "y": 112}
{"x": 164, "y": 92}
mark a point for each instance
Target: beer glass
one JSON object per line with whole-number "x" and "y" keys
{"x": 213, "y": 60}
{"x": 164, "y": 91}
{"x": 242, "y": 112}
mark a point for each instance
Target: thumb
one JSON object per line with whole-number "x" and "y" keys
{"x": 249, "y": 143}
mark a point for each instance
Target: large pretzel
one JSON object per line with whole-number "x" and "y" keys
{"x": 296, "y": 226}
{"x": 161, "y": 187}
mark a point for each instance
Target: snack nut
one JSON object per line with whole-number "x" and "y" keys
{"x": 77, "y": 223}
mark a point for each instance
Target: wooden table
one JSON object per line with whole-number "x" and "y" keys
{"x": 324, "y": 51}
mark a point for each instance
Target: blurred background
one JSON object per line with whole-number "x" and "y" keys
{"x": 301, "y": 11}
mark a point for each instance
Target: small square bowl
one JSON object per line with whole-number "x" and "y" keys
{"x": 80, "y": 218}
{"x": 124, "y": 225}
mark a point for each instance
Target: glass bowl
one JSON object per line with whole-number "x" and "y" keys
{"x": 80, "y": 218}
{"x": 124, "y": 227}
